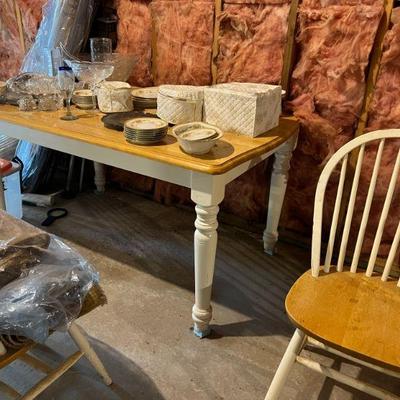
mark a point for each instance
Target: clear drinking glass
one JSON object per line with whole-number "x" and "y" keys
{"x": 100, "y": 49}
{"x": 66, "y": 82}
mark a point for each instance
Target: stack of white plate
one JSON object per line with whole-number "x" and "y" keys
{"x": 145, "y": 98}
{"x": 83, "y": 98}
{"x": 145, "y": 131}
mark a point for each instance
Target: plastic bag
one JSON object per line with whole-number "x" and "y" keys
{"x": 68, "y": 22}
{"x": 35, "y": 159}
{"x": 43, "y": 282}
{"x": 65, "y": 21}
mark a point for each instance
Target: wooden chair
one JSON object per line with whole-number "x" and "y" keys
{"x": 22, "y": 247}
{"x": 350, "y": 312}
{"x": 93, "y": 299}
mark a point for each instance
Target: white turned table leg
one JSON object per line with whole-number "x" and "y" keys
{"x": 99, "y": 177}
{"x": 205, "y": 247}
{"x": 277, "y": 192}
{"x": 207, "y": 193}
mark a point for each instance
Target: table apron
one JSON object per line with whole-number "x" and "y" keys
{"x": 247, "y": 165}
{"x": 115, "y": 158}
{"x": 130, "y": 162}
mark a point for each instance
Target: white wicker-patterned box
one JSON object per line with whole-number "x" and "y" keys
{"x": 180, "y": 104}
{"x": 249, "y": 109}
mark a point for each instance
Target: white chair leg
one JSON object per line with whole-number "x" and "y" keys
{"x": 89, "y": 353}
{"x": 3, "y": 350}
{"x": 294, "y": 348}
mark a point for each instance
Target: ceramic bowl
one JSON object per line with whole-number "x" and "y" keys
{"x": 190, "y": 138}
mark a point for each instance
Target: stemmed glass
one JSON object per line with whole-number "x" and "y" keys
{"x": 66, "y": 83}
{"x": 91, "y": 74}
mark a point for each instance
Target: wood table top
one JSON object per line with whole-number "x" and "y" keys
{"x": 231, "y": 151}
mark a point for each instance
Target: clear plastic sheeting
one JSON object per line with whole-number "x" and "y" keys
{"x": 67, "y": 22}
{"x": 34, "y": 159}
{"x": 43, "y": 282}
{"x": 64, "y": 21}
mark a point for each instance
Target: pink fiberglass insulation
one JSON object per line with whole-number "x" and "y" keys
{"x": 11, "y": 52}
{"x": 384, "y": 113}
{"x": 325, "y": 3}
{"x": 251, "y": 46}
{"x": 134, "y": 37}
{"x": 31, "y": 12}
{"x": 251, "y": 43}
{"x": 260, "y": 34}
{"x": 328, "y": 85}
{"x": 184, "y": 41}
{"x": 10, "y": 49}
{"x": 269, "y": 2}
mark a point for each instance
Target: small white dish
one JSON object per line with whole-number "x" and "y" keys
{"x": 83, "y": 93}
{"x": 145, "y": 93}
{"x": 197, "y": 137}
{"x": 199, "y": 134}
{"x": 85, "y": 106}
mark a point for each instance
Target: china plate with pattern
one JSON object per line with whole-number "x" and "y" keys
{"x": 145, "y": 124}
{"x": 145, "y": 93}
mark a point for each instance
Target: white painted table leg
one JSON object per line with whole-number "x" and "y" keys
{"x": 207, "y": 193}
{"x": 99, "y": 177}
{"x": 277, "y": 192}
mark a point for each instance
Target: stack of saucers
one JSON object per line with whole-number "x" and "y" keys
{"x": 145, "y": 131}
{"x": 145, "y": 98}
{"x": 83, "y": 98}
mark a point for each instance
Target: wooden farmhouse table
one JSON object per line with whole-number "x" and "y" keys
{"x": 205, "y": 175}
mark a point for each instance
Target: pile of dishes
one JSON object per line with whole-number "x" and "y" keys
{"x": 84, "y": 99}
{"x": 145, "y": 98}
{"x": 145, "y": 131}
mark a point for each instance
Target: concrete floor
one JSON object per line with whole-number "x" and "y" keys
{"x": 143, "y": 252}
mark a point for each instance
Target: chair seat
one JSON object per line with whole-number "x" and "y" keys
{"x": 350, "y": 312}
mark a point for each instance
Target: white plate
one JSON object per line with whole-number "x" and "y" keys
{"x": 199, "y": 134}
{"x": 146, "y": 93}
{"x": 146, "y": 124}
{"x": 133, "y": 141}
{"x": 83, "y": 93}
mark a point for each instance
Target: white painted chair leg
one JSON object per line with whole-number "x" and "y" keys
{"x": 3, "y": 350}
{"x": 294, "y": 348}
{"x": 99, "y": 177}
{"x": 277, "y": 192}
{"x": 83, "y": 344}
